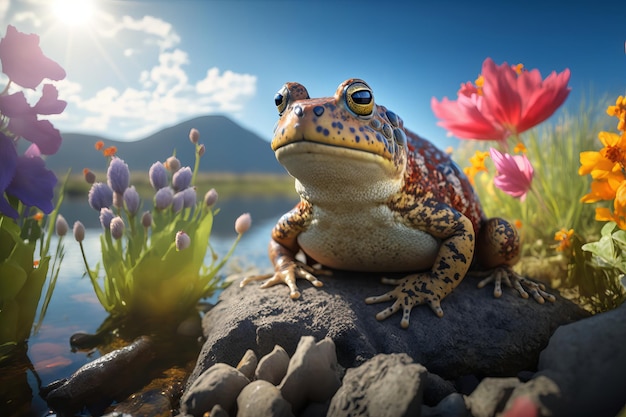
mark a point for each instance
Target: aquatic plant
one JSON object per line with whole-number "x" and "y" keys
{"x": 154, "y": 262}
{"x": 28, "y": 214}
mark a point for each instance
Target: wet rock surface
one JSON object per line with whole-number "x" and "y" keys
{"x": 478, "y": 334}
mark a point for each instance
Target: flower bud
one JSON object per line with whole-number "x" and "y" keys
{"x": 210, "y": 198}
{"x": 61, "y": 226}
{"x": 194, "y": 135}
{"x": 182, "y": 240}
{"x": 146, "y": 219}
{"x": 118, "y": 200}
{"x": 131, "y": 200}
{"x": 163, "y": 198}
{"x": 106, "y": 215}
{"x": 172, "y": 163}
{"x": 243, "y": 223}
{"x": 90, "y": 177}
{"x": 79, "y": 231}
{"x": 118, "y": 175}
{"x": 158, "y": 176}
{"x": 178, "y": 202}
{"x": 182, "y": 179}
{"x": 189, "y": 197}
{"x": 201, "y": 150}
{"x": 117, "y": 227}
{"x": 100, "y": 196}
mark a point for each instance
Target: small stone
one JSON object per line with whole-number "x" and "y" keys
{"x": 312, "y": 373}
{"x": 220, "y": 384}
{"x": 387, "y": 385}
{"x": 248, "y": 364}
{"x": 191, "y": 326}
{"x": 273, "y": 366}
{"x": 491, "y": 395}
{"x": 261, "y": 398}
{"x": 218, "y": 411}
{"x": 451, "y": 406}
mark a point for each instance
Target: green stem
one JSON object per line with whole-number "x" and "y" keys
{"x": 196, "y": 165}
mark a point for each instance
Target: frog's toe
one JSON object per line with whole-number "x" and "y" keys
{"x": 522, "y": 285}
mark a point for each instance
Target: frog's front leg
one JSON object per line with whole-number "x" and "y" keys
{"x": 282, "y": 252}
{"x": 451, "y": 263}
{"x": 497, "y": 251}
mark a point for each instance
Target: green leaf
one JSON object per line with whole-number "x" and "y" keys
{"x": 12, "y": 280}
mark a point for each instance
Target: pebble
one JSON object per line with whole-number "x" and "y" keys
{"x": 261, "y": 398}
{"x": 273, "y": 366}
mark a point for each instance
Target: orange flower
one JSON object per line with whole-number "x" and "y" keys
{"x": 519, "y": 148}
{"x": 38, "y": 216}
{"x": 99, "y": 145}
{"x": 600, "y": 190}
{"x": 478, "y": 165}
{"x": 564, "y": 237}
{"x": 619, "y": 209}
{"x": 518, "y": 224}
{"x": 35, "y": 263}
{"x": 110, "y": 151}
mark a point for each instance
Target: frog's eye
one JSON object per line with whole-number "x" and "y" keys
{"x": 281, "y": 99}
{"x": 360, "y": 99}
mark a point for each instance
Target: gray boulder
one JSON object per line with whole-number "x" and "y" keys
{"x": 478, "y": 334}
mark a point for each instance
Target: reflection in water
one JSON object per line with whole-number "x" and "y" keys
{"x": 74, "y": 307}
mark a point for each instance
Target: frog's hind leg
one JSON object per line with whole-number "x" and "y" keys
{"x": 497, "y": 251}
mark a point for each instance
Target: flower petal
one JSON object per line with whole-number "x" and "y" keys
{"x": 500, "y": 93}
{"x": 33, "y": 184}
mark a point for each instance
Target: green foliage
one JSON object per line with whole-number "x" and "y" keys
{"x": 21, "y": 279}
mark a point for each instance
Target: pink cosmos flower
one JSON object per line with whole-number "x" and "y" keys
{"x": 515, "y": 173}
{"x": 509, "y": 102}
{"x": 24, "y": 62}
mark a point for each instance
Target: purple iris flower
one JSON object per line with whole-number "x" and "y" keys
{"x": 182, "y": 178}
{"x": 158, "y": 176}
{"x": 118, "y": 175}
{"x": 24, "y": 177}
{"x": 24, "y": 62}
{"x": 100, "y": 196}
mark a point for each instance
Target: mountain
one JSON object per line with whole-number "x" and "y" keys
{"x": 229, "y": 148}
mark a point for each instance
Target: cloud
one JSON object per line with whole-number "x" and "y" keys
{"x": 27, "y": 16}
{"x": 158, "y": 31}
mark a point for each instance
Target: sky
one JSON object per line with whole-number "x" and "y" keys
{"x": 137, "y": 66}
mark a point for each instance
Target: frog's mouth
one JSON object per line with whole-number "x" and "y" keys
{"x": 314, "y": 160}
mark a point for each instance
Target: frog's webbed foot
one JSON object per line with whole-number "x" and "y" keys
{"x": 287, "y": 274}
{"x": 512, "y": 279}
{"x": 410, "y": 291}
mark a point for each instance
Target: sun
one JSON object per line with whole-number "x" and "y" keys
{"x": 73, "y": 12}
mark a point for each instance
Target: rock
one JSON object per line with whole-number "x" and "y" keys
{"x": 247, "y": 364}
{"x": 261, "y": 398}
{"x": 220, "y": 384}
{"x": 491, "y": 396}
{"x": 312, "y": 375}
{"x": 587, "y": 361}
{"x": 478, "y": 334}
{"x": 451, "y": 406}
{"x": 537, "y": 395}
{"x": 385, "y": 386}
{"x": 436, "y": 389}
{"x": 273, "y": 366}
{"x": 218, "y": 411}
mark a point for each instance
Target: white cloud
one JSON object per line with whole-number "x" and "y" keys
{"x": 4, "y": 8}
{"x": 27, "y": 17}
{"x": 159, "y": 31}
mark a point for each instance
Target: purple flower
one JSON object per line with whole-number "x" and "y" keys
{"x": 61, "y": 226}
{"x": 158, "y": 176}
{"x": 178, "y": 202}
{"x": 163, "y": 198}
{"x": 118, "y": 175}
{"x": 23, "y": 120}
{"x": 100, "y": 196}
{"x": 131, "y": 200}
{"x": 117, "y": 227}
{"x": 106, "y": 215}
{"x": 146, "y": 219}
{"x": 243, "y": 223}
{"x": 25, "y": 178}
{"x": 189, "y": 197}
{"x": 79, "y": 231}
{"x": 24, "y": 62}
{"x": 194, "y": 136}
{"x": 210, "y": 198}
{"x": 182, "y": 178}
{"x": 182, "y": 240}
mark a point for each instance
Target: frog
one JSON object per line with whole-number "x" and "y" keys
{"x": 377, "y": 198}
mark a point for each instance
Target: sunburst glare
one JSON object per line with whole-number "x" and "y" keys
{"x": 73, "y": 12}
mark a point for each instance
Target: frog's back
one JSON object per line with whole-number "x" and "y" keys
{"x": 429, "y": 170}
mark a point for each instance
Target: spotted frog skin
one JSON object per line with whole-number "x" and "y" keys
{"x": 376, "y": 197}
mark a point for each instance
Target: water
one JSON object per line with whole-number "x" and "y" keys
{"x": 75, "y": 308}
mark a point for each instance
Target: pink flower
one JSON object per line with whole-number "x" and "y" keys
{"x": 510, "y": 101}
{"x": 24, "y": 62}
{"x": 515, "y": 173}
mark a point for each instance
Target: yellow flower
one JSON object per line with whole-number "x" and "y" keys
{"x": 518, "y": 68}
{"x": 600, "y": 190}
{"x": 480, "y": 81}
{"x": 607, "y": 164}
{"x": 519, "y": 148}
{"x": 619, "y": 209}
{"x": 564, "y": 237}
{"x": 478, "y": 165}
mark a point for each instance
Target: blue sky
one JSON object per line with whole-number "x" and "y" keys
{"x": 135, "y": 67}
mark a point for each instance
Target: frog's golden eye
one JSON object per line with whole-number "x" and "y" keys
{"x": 281, "y": 99}
{"x": 360, "y": 99}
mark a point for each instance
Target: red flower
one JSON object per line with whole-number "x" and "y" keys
{"x": 509, "y": 101}
{"x": 24, "y": 62}
{"x": 515, "y": 173}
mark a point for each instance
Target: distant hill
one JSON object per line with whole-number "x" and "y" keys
{"x": 229, "y": 148}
